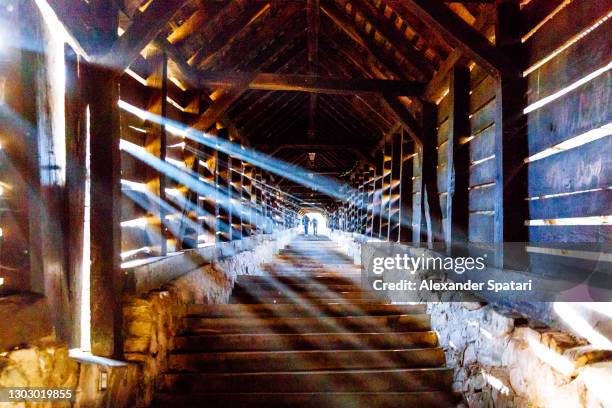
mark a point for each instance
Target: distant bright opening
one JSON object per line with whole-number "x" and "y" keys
{"x": 321, "y": 222}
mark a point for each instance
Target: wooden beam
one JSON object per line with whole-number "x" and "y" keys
{"x": 430, "y": 196}
{"x": 145, "y": 27}
{"x": 313, "y": 24}
{"x": 106, "y": 276}
{"x": 324, "y": 147}
{"x": 263, "y": 34}
{"x": 222, "y": 30}
{"x": 456, "y": 210}
{"x": 462, "y": 35}
{"x": 405, "y": 117}
{"x": 311, "y": 83}
{"x": 386, "y": 28}
{"x": 435, "y": 87}
{"x": 347, "y": 26}
{"x": 216, "y": 111}
{"x": 511, "y": 181}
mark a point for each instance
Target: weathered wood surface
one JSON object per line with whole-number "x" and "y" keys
{"x": 579, "y": 111}
{"x": 581, "y": 168}
{"x": 570, "y": 21}
{"x": 587, "y": 204}
{"x": 590, "y": 53}
{"x": 310, "y": 83}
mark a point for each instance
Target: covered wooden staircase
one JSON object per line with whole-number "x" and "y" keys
{"x": 307, "y": 335}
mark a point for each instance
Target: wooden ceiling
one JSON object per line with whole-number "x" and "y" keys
{"x": 322, "y": 63}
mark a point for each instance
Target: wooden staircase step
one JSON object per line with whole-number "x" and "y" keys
{"x": 429, "y": 399}
{"x": 306, "y": 341}
{"x": 254, "y": 361}
{"x": 396, "y": 380}
{"x": 297, "y": 310}
{"x": 274, "y": 296}
{"x": 337, "y": 279}
{"x": 313, "y": 287}
{"x": 355, "y": 324}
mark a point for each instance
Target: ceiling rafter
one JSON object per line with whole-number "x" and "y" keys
{"x": 260, "y": 36}
{"x": 145, "y": 28}
{"x": 206, "y": 55}
{"x": 311, "y": 83}
{"x": 406, "y": 48}
{"x": 229, "y": 97}
{"x": 462, "y": 35}
{"x": 347, "y": 26}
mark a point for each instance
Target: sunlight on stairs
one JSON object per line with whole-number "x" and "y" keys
{"x": 306, "y": 335}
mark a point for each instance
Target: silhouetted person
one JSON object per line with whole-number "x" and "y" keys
{"x": 305, "y": 221}
{"x": 314, "y": 226}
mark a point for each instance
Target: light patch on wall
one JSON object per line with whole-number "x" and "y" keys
{"x": 577, "y": 323}
{"x": 137, "y": 77}
{"x": 597, "y": 220}
{"x": 475, "y": 162}
{"x": 577, "y": 141}
{"x": 132, "y": 252}
{"x": 545, "y": 20}
{"x": 547, "y": 196}
{"x": 137, "y": 129}
{"x": 133, "y": 185}
{"x": 551, "y": 357}
{"x": 545, "y": 101}
{"x": 175, "y": 104}
{"x": 496, "y": 383}
{"x": 141, "y": 222}
{"x": 568, "y": 44}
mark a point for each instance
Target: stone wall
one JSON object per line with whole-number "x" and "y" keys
{"x": 153, "y": 318}
{"x": 49, "y": 364}
{"x": 503, "y": 358}
{"x": 31, "y": 356}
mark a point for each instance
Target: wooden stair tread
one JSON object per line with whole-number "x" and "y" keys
{"x": 306, "y": 341}
{"x": 425, "y": 399}
{"x": 288, "y": 309}
{"x": 292, "y": 360}
{"x": 405, "y": 379}
{"x": 407, "y": 322}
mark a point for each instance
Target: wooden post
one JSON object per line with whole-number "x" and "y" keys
{"x": 377, "y": 203}
{"x": 431, "y": 198}
{"x": 458, "y": 165}
{"x": 362, "y": 202}
{"x": 406, "y": 190}
{"x": 106, "y": 279}
{"x": 246, "y": 200}
{"x": 386, "y": 192}
{"x": 258, "y": 207}
{"x": 223, "y": 215}
{"x": 395, "y": 189}
{"x": 417, "y": 194}
{"x": 511, "y": 209}
{"x": 76, "y": 182}
{"x": 235, "y": 197}
{"x": 370, "y": 198}
{"x": 163, "y": 149}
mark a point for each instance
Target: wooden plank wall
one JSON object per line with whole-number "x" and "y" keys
{"x": 569, "y": 95}
{"x": 482, "y": 158}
